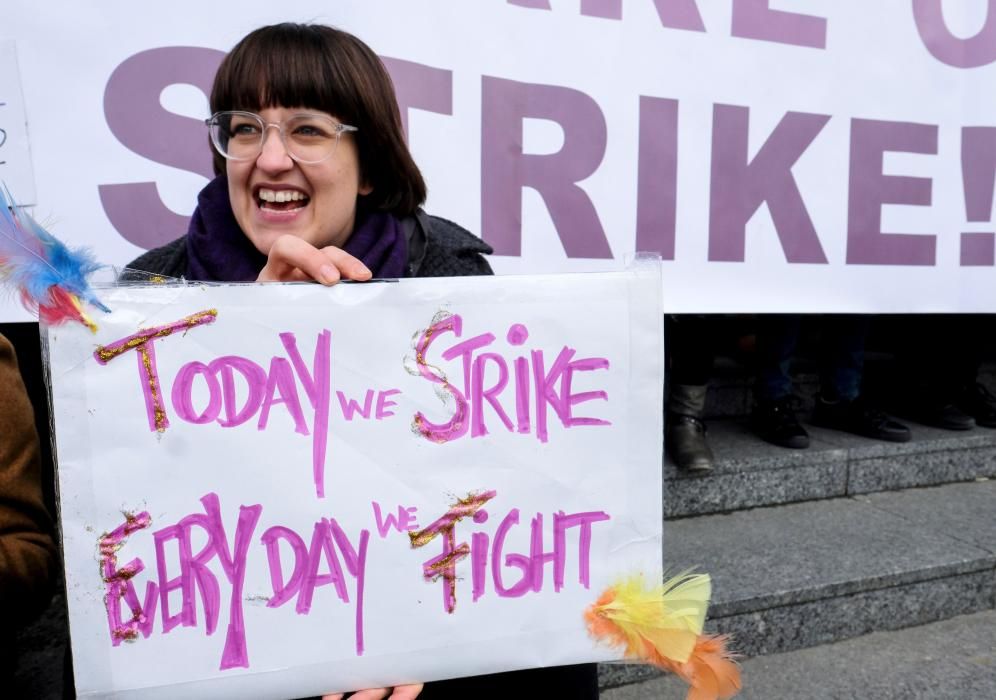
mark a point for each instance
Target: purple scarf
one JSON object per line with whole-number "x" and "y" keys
{"x": 218, "y": 251}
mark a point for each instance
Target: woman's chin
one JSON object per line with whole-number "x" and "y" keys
{"x": 263, "y": 237}
{"x": 267, "y": 225}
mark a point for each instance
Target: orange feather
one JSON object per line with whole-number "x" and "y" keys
{"x": 662, "y": 625}
{"x": 710, "y": 671}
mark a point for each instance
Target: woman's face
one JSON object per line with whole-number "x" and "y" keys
{"x": 318, "y": 200}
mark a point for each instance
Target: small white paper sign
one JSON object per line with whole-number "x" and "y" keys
{"x": 16, "y": 170}
{"x": 273, "y": 491}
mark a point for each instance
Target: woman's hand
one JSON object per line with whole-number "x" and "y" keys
{"x": 292, "y": 259}
{"x": 401, "y": 692}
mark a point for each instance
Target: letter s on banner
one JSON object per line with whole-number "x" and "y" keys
{"x": 137, "y": 118}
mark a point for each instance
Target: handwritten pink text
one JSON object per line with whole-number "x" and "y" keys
{"x": 551, "y": 388}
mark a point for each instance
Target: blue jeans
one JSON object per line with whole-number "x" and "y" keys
{"x": 841, "y": 358}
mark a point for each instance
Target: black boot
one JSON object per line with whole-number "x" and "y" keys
{"x": 858, "y": 417}
{"x": 775, "y": 421}
{"x": 686, "y": 433}
{"x": 979, "y": 403}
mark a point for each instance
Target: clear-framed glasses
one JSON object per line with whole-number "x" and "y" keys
{"x": 308, "y": 138}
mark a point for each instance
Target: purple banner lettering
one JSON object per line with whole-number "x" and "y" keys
{"x": 532, "y": 4}
{"x": 657, "y": 177}
{"x": 869, "y": 188}
{"x": 506, "y": 169}
{"x": 676, "y": 14}
{"x": 739, "y": 186}
{"x": 972, "y": 52}
{"x": 420, "y": 87}
{"x": 138, "y": 120}
{"x": 754, "y": 19}
{"x": 978, "y": 170}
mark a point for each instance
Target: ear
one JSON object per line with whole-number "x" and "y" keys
{"x": 365, "y": 188}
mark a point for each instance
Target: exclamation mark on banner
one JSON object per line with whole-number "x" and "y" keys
{"x": 978, "y": 171}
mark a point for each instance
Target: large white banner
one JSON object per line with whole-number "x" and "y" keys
{"x": 274, "y": 491}
{"x": 781, "y": 155}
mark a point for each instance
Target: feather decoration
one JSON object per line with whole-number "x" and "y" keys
{"x": 50, "y": 278}
{"x": 710, "y": 671}
{"x": 662, "y": 624}
{"x": 664, "y": 617}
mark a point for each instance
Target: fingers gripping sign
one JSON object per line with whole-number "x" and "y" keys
{"x": 401, "y": 692}
{"x": 292, "y": 259}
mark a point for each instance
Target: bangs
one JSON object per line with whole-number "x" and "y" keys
{"x": 314, "y": 67}
{"x": 283, "y": 69}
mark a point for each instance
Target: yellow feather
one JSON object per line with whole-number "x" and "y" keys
{"x": 655, "y": 620}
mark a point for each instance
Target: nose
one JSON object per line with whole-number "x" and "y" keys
{"x": 274, "y": 156}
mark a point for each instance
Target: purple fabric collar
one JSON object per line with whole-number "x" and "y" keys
{"x": 218, "y": 250}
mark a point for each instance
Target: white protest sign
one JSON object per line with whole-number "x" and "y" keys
{"x": 278, "y": 490}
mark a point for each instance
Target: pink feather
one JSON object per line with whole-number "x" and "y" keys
{"x": 49, "y": 277}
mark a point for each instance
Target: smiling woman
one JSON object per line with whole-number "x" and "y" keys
{"x": 315, "y": 182}
{"x": 275, "y": 192}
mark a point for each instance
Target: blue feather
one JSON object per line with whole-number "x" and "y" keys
{"x": 34, "y": 260}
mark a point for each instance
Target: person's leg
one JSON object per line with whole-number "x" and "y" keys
{"x": 973, "y": 398}
{"x": 840, "y": 405}
{"x": 842, "y": 360}
{"x": 690, "y": 344}
{"x": 936, "y": 366}
{"x": 777, "y": 337}
{"x": 773, "y": 418}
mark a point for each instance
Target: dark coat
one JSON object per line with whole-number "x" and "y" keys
{"x": 436, "y": 248}
{"x": 27, "y": 552}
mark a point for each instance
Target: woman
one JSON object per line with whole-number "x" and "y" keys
{"x": 315, "y": 182}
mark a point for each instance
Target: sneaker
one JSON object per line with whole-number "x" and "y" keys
{"x": 686, "y": 443}
{"x": 858, "y": 417}
{"x": 979, "y": 403}
{"x": 775, "y": 422}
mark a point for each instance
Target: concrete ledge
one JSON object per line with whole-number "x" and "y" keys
{"x": 624, "y": 674}
{"x": 806, "y": 574}
{"x": 750, "y": 473}
{"x": 792, "y": 627}
{"x": 955, "y": 658}
{"x": 804, "y": 552}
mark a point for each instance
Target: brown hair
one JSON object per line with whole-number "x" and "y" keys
{"x": 319, "y": 67}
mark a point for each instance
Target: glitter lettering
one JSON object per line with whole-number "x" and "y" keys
{"x": 530, "y": 566}
{"x": 489, "y": 377}
{"x": 119, "y": 583}
{"x": 186, "y": 586}
{"x": 143, "y": 342}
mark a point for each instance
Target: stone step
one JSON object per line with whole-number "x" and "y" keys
{"x": 804, "y": 574}
{"x": 751, "y": 473}
{"x": 954, "y": 658}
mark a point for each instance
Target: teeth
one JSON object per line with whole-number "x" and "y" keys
{"x": 281, "y": 195}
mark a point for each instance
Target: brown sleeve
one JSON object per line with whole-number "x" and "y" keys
{"x": 27, "y": 552}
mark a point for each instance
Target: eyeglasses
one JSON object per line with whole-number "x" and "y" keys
{"x": 308, "y": 138}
